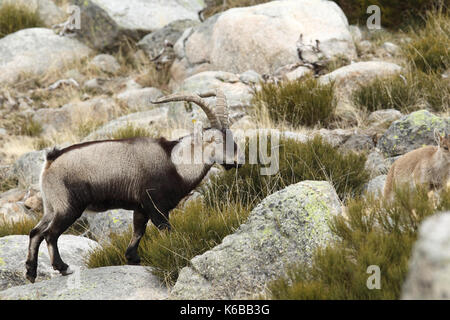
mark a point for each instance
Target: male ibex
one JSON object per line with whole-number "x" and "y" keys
{"x": 429, "y": 166}
{"x": 137, "y": 174}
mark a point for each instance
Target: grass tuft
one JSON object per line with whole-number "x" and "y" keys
{"x": 130, "y": 131}
{"x": 429, "y": 48}
{"x": 313, "y": 160}
{"x": 303, "y": 102}
{"x": 15, "y": 17}
{"x": 375, "y": 233}
{"x": 195, "y": 229}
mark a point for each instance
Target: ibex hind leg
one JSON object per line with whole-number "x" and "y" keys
{"x": 59, "y": 224}
{"x": 140, "y": 220}
{"x": 36, "y": 237}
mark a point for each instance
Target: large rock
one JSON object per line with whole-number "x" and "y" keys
{"x": 347, "y": 78}
{"x": 155, "y": 118}
{"x": 154, "y": 42}
{"x": 74, "y": 114}
{"x": 263, "y": 37}
{"x": 284, "y": 229}
{"x": 108, "y": 283}
{"x": 239, "y": 95}
{"x": 429, "y": 267}
{"x": 412, "y": 132}
{"x": 13, "y": 253}
{"x": 35, "y": 52}
{"x": 139, "y": 99}
{"x": 106, "y": 22}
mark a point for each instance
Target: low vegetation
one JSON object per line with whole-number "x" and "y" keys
{"x": 421, "y": 85}
{"x": 195, "y": 230}
{"x": 303, "y": 102}
{"x": 313, "y": 160}
{"x": 375, "y": 233}
{"x": 428, "y": 49}
{"x": 21, "y": 227}
{"x": 407, "y": 93}
{"x": 15, "y": 17}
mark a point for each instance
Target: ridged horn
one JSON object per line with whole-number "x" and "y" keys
{"x": 212, "y": 117}
{"x": 222, "y": 109}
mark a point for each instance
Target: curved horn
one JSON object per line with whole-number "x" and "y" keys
{"x": 213, "y": 119}
{"x": 222, "y": 109}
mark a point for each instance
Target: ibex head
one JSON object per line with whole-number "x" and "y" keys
{"x": 217, "y": 142}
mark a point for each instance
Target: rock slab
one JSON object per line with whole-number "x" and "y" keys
{"x": 285, "y": 228}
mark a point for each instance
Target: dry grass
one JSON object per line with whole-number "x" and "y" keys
{"x": 15, "y": 16}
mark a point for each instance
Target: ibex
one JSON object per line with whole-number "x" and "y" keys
{"x": 429, "y": 166}
{"x": 137, "y": 174}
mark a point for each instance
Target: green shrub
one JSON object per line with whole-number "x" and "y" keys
{"x": 394, "y": 14}
{"x": 22, "y": 227}
{"x": 303, "y": 102}
{"x": 429, "y": 50}
{"x": 195, "y": 229}
{"x": 313, "y": 160}
{"x": 15, "y": 17}
{"x": 404, "y": 93}
{"x": 375, "y": 233}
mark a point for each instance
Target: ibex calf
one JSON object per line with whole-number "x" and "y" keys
{"x": 137, "y": 174}
{"x": 429, "y": 166}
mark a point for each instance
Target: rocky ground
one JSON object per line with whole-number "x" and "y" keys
{"x": 87, "y": 85}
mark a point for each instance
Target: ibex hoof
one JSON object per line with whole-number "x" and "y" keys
{"x": 67, "y": 272}
{"x": 30, "y": 277}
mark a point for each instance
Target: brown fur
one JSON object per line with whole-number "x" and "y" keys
{"x": 429, "y": 166}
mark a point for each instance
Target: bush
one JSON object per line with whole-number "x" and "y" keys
{"x": 22, "y": 227}
{"x": 429, "y": 49}
{"x": 303, "y": 102}
{"x": 130, "y": 131}
{"x": 394, "y": 14}
{"x": 313, "y": 160}
{"x": 15, "y": 17}
{"x": 404, "y": 93}
{"x": 195, "y": 229}
{"x": 375, "y": 233}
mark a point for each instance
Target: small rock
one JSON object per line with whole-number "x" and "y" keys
{"x": 376, "y": 186}
{"x": 13, "y": 253}
{"x": 359, "y": 142}
{"x": 382, "y": 119}
{"x": 250, "y": 77}
{"x": 376, "y": 164}
{"x": 106, "y": 63}
{"x": 139, "y": 99}
{"x": 298, "y": 73}
{"x": 393, "y": 49}
{"x": 102, "y": 224}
